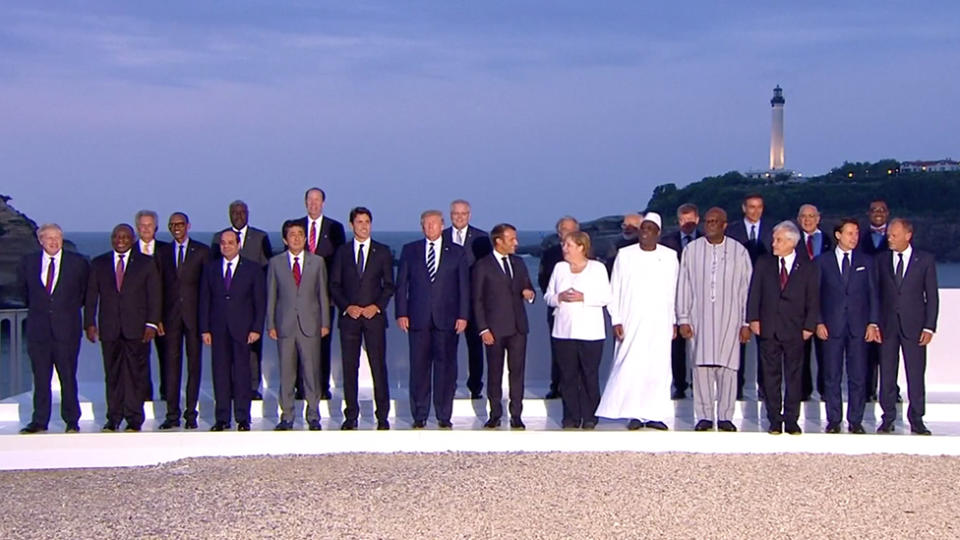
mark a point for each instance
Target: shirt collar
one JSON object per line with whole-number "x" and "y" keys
{"x": 301, "y": 256}
{"x": 436, "y": 243}
{"x": 788, "y": 260}
{"x": 906, "y": 253}
{"x": 233, "y": 262}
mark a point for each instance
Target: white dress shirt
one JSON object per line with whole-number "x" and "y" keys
{"x": 176, "y": 250}
{"x": 148, "y": 248}
{"x": 57, "y": 258}
{"x": 839, "y": 253}
{"x": 437, "y": 245}
{"x": 233, "y": 267}
{"x": 243, "y": 235}
{"x": 366, "y": 250}
{"x": 748, "y": 225}
{"x": 579, "y": 320}
{"x": 906, "y": 259}
{"x": 462, "y": 233}
{"x": 789, "y": 262}
{"x": 290, "y": 258}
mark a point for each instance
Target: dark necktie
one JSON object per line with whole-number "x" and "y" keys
{"x": 119, "y": 272}
{"x": 239, "y": 238}
{"x": 783, "y": 273}
{"x": 227, "y": 277}
{"x": 506, "y": 267}
{"x": 845, "y": 267}
{"x": 50, "y": 272}
{"x": 899, "y": 269}
{"x": 753, "y": 233}
{"x": 296, "y": 271}
{"x": 685, "y": 240}
{"x": 180, "y": 257}
{"x": 432, "y": 263}
{"x": 810, "y": 246}
{"x": 360, "y": 260}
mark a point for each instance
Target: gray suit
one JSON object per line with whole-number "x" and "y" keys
{"x": 298, "y": 314}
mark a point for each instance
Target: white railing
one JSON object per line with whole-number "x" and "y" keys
{"x": 14, "y": 365}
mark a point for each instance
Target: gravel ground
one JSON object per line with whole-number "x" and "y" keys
{"x": 596, "y": 495}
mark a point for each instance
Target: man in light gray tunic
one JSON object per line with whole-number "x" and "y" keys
{"x": 711, "y": 313}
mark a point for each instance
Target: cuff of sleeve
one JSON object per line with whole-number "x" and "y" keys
{"x": 929, "y": 330}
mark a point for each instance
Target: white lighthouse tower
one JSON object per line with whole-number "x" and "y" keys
{"x": 776, "y": 132}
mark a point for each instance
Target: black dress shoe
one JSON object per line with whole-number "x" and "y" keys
{"x": 476, "y": 395}
{"x": 775, "y": 429}
{"x": 589, "y": 424}
{"x": 793, "y": 429}
{"x": 569, "y": 424}
{"x": 109, "y": 427}
{"x": 492, "y": 423}
{"x": 383, "y": 425}
{"x": 885, "y": 427}
{"x": 33, "y": 428}
{"x": 283, "y": 425}
{"x": 348, "y": 425}
{"x": 726, "y": 425}
{"x": 256, "y": 396}
{"x": 920, "y": 429}
{"x": 325, "y": 394}
{"x": 517, "y": 423}
{"x": 856, "y": 429}
{"x": 739, "y": 396}
{"x": 634, "y": 424}
{"x": 72, "y": 428}
{"x": 190, "y": 423}
{"x": 169, "y": 424}
{"x": 314, "y": 425}
{"x": 678, "y": 394}
{"x": 657, "y": 425}
{"x": 553, "y": 394}
{"x": 703, "y": 425}
{"x": 243, "y": 426}
{"x": 444, "y": 424}
{"x": 131, "y": 428}
{"x": 298, "y": 395}
{"x": 220, "y": 426}
{"x": 419, "y": 424}
{"x": 832, "y": 427}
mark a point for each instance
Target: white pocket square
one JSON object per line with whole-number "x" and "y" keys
{"x": 861, "y": 268}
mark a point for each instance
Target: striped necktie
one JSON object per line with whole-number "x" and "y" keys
{"x": 432, "y": 263}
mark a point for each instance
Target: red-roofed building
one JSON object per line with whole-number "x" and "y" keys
{"x": 943, "y": 165}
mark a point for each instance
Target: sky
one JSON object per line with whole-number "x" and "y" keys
{"x": 529, "y": 110}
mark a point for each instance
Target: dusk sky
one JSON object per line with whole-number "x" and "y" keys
{"x": 530, "y": 110}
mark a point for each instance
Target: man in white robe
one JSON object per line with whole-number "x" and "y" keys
{"x": 711, "y": 313}
{"x": 644, "y": 284}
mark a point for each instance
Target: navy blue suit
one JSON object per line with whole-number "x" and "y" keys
{"x": 848, "y": 304}
{"x": 906, "y": 309}
{"x": 54, "y": 330}
{"x": 476, "y": 246}
{"x": 433, "y": 309}
{"x": 229, "y": 316}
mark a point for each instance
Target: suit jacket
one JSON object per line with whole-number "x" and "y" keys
{"x": 125, "y": 313}
{"x": 348, "y": 287}
{"x": 441, "y": 302}
{"x": 239, "y": 311}
{"x": 256, "y": 247}
{"x": 498, "y": 298}
{"x": 784, "y": 315}
{"x": 292, "y": 309}
{"x": 866, "y": 242}
{"x": 158, "y": 246}
{"x": 852, "y": 303}
{"x": 548, "y": 259}
{"x": 826, "y": 246}
{"x": 54, "y": 316}
{"x": 738, "y": 231}
{"x": 181, "y": 286}
{"x": 476, "y": 244}
{"x": 674, "y": 241}
{"x": 914, "y": 305}
{"x": 330, "y": 237}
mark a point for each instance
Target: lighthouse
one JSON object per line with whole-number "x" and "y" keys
{"x": 776, "y": 131}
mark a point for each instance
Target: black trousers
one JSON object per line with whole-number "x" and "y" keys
{"x": 231, "y": 377}
{"x": 179, "y": 336}
{"x": 554, "y": 368}
{"x": 433, "y": 370}
{"x": 579, "y": 363}
{"x": 515, "y": 347}
{"x": 159, "y": 343}
{"x": 474, "y": 358}
{"x": 809, "y": 346}
{"x": 741, "y": 372}
{"x": 678, "y": 359}
{"x": 915, "y": 364}
{"x": 44, "y": 355}
{"x": 873, "y": 370}
{"x": 255, "y": 368}
{"x": 374, "y": 332}
{"x": 782, "y": 363}
{"x": 125, "y": 368}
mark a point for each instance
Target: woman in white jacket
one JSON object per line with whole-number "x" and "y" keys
{"x": 578, "y": 291}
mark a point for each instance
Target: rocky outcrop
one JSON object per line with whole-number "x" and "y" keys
{"x": 604, "y": 234}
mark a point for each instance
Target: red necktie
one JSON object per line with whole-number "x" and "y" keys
{"x": 119, "y": 272}
{"x": 313, "y": 237}
{"x": 783, "y": 273}
{"x": 50, "y": 271}
{"x": 810, "y": 246}
{"x": 296, "y": 270}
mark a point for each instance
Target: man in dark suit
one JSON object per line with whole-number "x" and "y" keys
{"x": 181, "y": 270}
{"x": 126, "y": 286}
{"x": 324, "y": 236}
{"x": 812, "y": 243}
{"x": 688, "y": 217}
{"x": 500, "y": 286}
{"x": 757, "y": 237}
{"x": 147, "y": 244}
{"x": 361, "y": 284}
{"x": 232, "y": 311}
{"x": 476, "y": 245}
{"x": 873, "y": 241}
{"x": 254, "y": 247}
{"x": 54, "y": 284}
{"x": 433, "y": 304}
{"x": 849, "y": 313}
{"x": 548, "y": 259}
{"x": 783, "y": 310}
{"x": 909, "y": 306}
